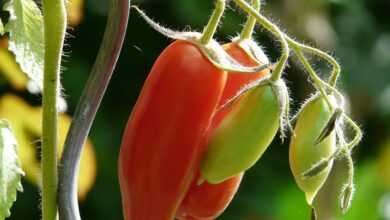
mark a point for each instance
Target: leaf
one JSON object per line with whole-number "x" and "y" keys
{"x": 27, "y": 125}
{"x": 11, "y": 70}
{"x": 10, "y": 171}
{"x": 26, "y": 39}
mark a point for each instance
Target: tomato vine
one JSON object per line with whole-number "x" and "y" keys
{"x": 54, "y": 35}
{"x": 88, "y": 106}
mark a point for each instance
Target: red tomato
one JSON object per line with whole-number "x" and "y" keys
{"x": 161, "y": 145}
{"x": 207, "y": 201}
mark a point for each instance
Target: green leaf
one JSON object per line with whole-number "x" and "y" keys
{"x": 10, "y": 171}
{"x": 26, "y": 39}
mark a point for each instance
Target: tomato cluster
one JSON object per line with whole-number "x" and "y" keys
{"x": 206, "y": 114}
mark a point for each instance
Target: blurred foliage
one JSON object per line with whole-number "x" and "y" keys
{"x": 11, "y": 71}
{"x": 75, "y": 12}
{"x": 26, "y": 121}
{"x": 357, "y": 32}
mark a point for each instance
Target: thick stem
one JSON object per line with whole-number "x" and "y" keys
{"x": 278, "y": 70}
{"x": 213, "y": 23}
{"x": 54, "y": 35}
{"x": 250, "y": 24}
{"x": 88, "y": 105}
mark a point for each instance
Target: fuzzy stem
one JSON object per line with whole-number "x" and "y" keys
{"x": 250, "y": 24}
{"x": 317, "y": 80}
{"x": 54, "y": 34}
{"x": 336, "y": 66}
{"x": 88, "y": 105}
{"x": 278, "y": 70}
{"x": 347, "y": 155}
{"x": 351, "y": 169}
{"x": 213, "y": 23}
{"x": 358, "y": 133}
{"x": 319, "y": 83}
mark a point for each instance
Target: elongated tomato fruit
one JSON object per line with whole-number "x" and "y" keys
{"x": 162, "y": 141}
{"x": 304, "y": 153}
{"x": 208, "y": 201}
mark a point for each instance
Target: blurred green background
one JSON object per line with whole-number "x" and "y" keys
{"x": 356, "y": 32}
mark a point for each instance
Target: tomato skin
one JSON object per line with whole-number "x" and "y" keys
{"x": 236, "y": 81}
{"x": 161, "y": 145}
{"x": 208, "y": 201}
{"x": 304, "y": 153}
{"x": 244, "y": 134}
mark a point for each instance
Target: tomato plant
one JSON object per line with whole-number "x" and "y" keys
{"x": 205, "y": 115}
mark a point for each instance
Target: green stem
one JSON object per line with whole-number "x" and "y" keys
{"x": 316, "y": 79}
{"x": 278, "y": 70}
{"x": 250, "y": 24}
{"x": 336, "y": 67}
{"x": 286, "y": 42}
{"x": 213, "y": 23}
{"x": 347, "y": 155}
{"x": 358, "y": 133}
{"x": 319, "y": 83}
{"x": 54, "y": 33}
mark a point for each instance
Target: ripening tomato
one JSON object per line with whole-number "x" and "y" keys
{"x": 208, "y": 201}
{"x": 162, "y": 141}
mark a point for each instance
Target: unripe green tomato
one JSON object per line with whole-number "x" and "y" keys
{"x": 243, "y": 135}
{"x": 304, "y": 153}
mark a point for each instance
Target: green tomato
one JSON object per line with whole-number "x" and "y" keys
{"x": 245, "y": 133}
{"x": 305, "y": 153}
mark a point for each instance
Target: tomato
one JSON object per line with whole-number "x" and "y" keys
{"x": 304, "y": 153}
{"x": 208, "y": 201}
{"x": 237, "y": 81}
{"x": 161, "y": 145}
{"x": 244, "y": 135}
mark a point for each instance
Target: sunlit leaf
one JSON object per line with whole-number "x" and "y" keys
{"x": 11, "y": 70}
{"x": 10, "y": 171}
{"x": 75, "y": 11}
{"x": 27, "y": 123}
{"x": 25, "y": 27}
